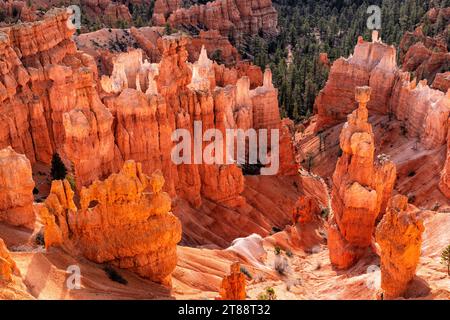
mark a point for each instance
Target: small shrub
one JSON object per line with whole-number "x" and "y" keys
{"x": 281, "y": 265}
{"x": 168, "y": 29}
{"x": 246, "y": 272}
{"x": 113, "y": 275}
{"x": 277, "y": 250}
{"x": 289, "y": 253}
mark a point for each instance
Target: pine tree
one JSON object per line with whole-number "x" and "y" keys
{"x": 58, "y": 170}
{"x": 445, "y": 256}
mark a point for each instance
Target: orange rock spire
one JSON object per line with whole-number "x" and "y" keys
{"x": 361, "y": 188}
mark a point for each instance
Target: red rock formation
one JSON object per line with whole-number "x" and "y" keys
{"x": 424, "y": 111}
{"x": 15, "y": 10}
{"x": 217, "y": 46}
{"x": 118, "y": 222}
{"x": 288, "y": 162}
{"x": 230, "y": 18}
{"x": 233, "y": 285}
{"x": 360, "y": 190}
{"x": 16, "y": 189}
{"x": 426, "y": 62}
{"x": 7, "y": 265}
{"x": 442, "y": 81}
{"x": 424, "y": 55}
{"x": 162, "y": 10}
{"x": 444, "y": 184}
{"x": 139, "y": 107}
{"x": 12, "y": 286}
{"x": 399, "y": 235}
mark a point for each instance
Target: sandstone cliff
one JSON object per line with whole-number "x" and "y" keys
{"x": 360, "y": 190}
{"x": 53, "y": 85}
{"x": 399, "y": 235}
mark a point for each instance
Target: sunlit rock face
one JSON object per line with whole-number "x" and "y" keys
{"x": 372, "y": 64}
{"x": 360, "y": 190}
{"x": 119, "y": 222}
{"x": 230, "y": 18}
{"x": 16, "y": 189}
{"x": 183, "y": 93}
{"x": 54, "y": 86}
{"x": 399, "y": 236}
{"x": 423, "y": 110}
{"x": 7, "y": 265}
{"x": 163, "y": 8}
{"x": 203, "y": 75}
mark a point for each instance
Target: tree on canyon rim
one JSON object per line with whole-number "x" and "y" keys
{"x": 58, "y": 170}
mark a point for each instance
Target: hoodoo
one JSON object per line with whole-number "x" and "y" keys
{"x": 118, "y": 222}
{"x": 361, "y": 188}
{"x": 399, "y": 235}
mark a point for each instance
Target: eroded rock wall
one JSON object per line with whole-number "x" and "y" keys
{"x": 361, "y": 188}
{"x": 230, "y": 18}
